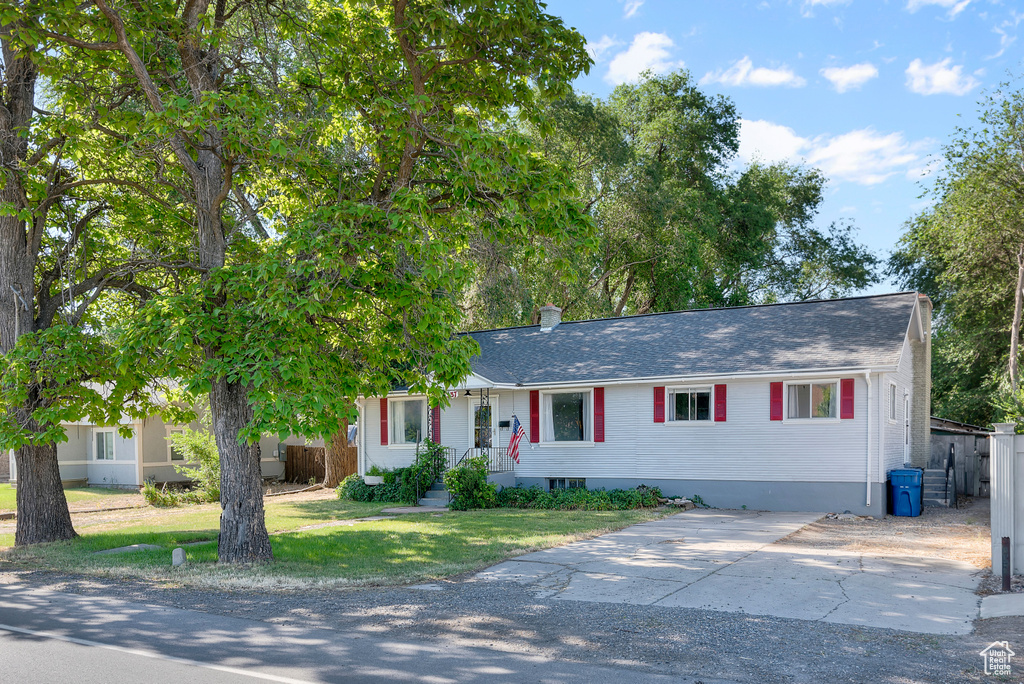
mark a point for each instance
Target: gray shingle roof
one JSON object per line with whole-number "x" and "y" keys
{"x": 860, "y": 332}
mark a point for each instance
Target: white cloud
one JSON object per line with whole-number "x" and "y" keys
{"x": 743, "y": 73}
{"x": 649, "y": 51}
{"x": 631, "y": 7}
{"x": 769, "y": 142}
{"x": 845, "y": 78}
{"x": 863, "y": 156}
{"x": 1005, "y": 39}
{"x": 955, "y": 7}
{"x": 808, "y": 7}
{"x": 602, "y": 46}
{"x": 938, "y": 78}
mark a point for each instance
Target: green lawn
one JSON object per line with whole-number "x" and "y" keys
{"x": 80, "y": 495}
{"x": 406, "y": 549}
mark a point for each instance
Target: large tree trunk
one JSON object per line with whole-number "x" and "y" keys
{"x": 42, "y": 509}
{"x": 337, "y": 459}
{"x": 1015, "y": 326}
{"x": 243, "y": 531}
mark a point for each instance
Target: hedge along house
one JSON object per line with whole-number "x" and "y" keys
{"x": 804, "y": 406}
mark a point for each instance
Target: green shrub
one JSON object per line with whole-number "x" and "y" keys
{"x": 427, "y": 469}
{"x": 160, "y": 497}
{"x": 401, "y": 485}
{"x": 579, "y": 499}
{"x": 354, "y": 489}
{"x": 375, "y": 470}
{"x": 202, "y": 464}
{"x": 469, "y": 487}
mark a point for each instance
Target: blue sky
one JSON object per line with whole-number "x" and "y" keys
{"x": 866, "y": 91}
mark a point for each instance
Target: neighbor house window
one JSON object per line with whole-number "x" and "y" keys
{"x": 408, "y": 421}
{"x": 892, "y": 401}
{"x": 813, "y": 400}
{"x": 105, "y": 445}
{"x": 172, "y": 452}
{"x": 566, "y": 483}
{"x": 567, "y": 416}
{"x": 690, "y": 403}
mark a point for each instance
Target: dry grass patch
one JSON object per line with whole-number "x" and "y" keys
{"x": 955, "y": 534}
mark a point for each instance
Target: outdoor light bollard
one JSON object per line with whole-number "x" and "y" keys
{"x": 1006, "y": 564}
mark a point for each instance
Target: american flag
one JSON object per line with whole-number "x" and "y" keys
{"x": 518, "y": 432}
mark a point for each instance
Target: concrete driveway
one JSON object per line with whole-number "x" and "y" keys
{"x": 729, "y": 561}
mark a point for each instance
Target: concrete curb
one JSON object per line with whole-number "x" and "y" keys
{"x": 1002, "y": 605}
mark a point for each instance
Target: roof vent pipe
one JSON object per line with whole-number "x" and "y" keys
{"x": 550, "y": 317}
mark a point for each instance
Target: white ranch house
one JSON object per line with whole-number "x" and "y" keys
{"x": 795, "y": 407}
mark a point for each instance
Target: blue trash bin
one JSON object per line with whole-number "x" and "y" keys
{"x": 905, "y": 486}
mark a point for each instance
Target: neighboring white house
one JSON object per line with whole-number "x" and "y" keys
{"x": 99, "y": 456}
{"x": 803, "y": 406}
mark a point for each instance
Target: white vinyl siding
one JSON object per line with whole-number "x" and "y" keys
{"x": 893, "y": 430}
{"x": 746, "y": 447}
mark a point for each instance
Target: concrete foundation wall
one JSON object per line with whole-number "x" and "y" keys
{"x": 502, "y": 479}
{"x": 824, "y": 497}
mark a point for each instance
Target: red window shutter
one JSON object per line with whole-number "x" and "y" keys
{"x": 599, "y": 414}
{"x": 776, "y": 401}
{"x": 435, "y": 417}
{"x": 383, "y": 421}
{"x": 719, "y": 403}
{"x": 659, "y": 404}
{"x": 534, "y": 416}
{"x": 846, "y": 398}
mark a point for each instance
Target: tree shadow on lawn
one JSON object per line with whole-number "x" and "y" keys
{"x": 406, "y": 548}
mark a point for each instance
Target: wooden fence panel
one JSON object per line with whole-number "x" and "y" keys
{"x": 303, "y": 463}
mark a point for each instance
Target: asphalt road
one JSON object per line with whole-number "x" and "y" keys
{"x": 48, "y": 636}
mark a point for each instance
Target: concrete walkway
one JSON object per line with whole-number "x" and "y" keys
{"x": 727, "y": 561}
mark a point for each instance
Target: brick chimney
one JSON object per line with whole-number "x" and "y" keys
{"x": 550, "y": 317}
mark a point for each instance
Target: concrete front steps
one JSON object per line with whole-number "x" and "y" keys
{"x": 436, "y": 496}
{"x": 935, "y": 488}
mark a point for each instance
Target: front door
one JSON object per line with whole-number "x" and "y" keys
{"x": 482, "y": 425}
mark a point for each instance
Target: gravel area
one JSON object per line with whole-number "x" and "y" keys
{"x": 956, "y": 534}
{"x": 682, "y": 642}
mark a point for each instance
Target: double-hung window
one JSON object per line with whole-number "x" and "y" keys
{"x": 687, "y": 404}
{"x": 104, "y": 445}
{"x": 812, "y": 400}
{"x": 408, "y": 421}
{"x": 173, "y": 454}
{"x": 892, "y": 402}
{"x": 568, "y": 416}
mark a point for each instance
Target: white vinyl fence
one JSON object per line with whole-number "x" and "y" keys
{"x": 1007, "y": 472}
